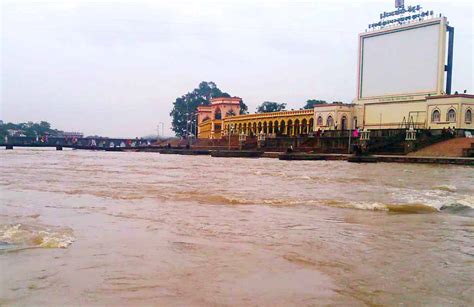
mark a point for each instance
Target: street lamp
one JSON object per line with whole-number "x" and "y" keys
{"x": 230, "y": 130}
{"x": 162, "y": 129}
{"x": 261, "y": 139}
{"x": 242, "y": 138}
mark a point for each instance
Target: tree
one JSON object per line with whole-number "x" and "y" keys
{"x": 185, "y": 107}
{"x": 310, "y": 103}
{"x": 269, "y": 106}
{"x": 243, "y": 108}
{"x": 45, "y": 125}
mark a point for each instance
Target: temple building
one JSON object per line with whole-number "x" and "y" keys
{"x": 211, "y": 118}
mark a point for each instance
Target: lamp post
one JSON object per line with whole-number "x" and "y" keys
{"x": 353, "y": 127}
{"x": 187, "y": 125}
{"x": 228, "y": 135}
{"x": 196, "y": 125}
{"x": 261, "y": 139}
{"x": 242, "y": 138}
{"x": 162, "y": 128}
{"x": 230, "y": 130}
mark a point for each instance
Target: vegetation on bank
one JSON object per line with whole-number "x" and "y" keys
{"x": 270, "y": 106}
{"x": 28, "y": 129}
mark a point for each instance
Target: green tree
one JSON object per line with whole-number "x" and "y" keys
{"x": 270, "y": 106}
{"x": 185, "y": 107}
{"x": 310, "y": 103}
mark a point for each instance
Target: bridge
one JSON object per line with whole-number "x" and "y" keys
{"x": 107, "y": 144}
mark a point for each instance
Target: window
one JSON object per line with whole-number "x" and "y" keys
{"x": 468, "y": 116}
{"x": 330, "y": 121}
{"x": 451, "y": 116}
{"x": 218, "y": 114}
{"x": 435, "y": 116}
{"x": 320, "y": 121}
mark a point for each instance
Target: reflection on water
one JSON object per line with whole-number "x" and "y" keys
{"x": 144, "y": 228}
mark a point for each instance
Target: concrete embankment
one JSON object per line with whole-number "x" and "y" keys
{"x": 379, "y": 158}
{"x": 314, "y": 156}
{"x": 432, "y": 160}
{"x": 311, "y": 156}
{"x": 236, "y": 154}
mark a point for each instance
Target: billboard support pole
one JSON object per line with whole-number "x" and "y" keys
{"x": 449, "y": 66}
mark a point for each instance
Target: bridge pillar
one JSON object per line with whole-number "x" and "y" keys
{"x": 9, "y": 147}
{"x": 59, "y": 147}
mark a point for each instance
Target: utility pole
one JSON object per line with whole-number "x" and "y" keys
{"x": 162, "y": 129}
{"x": 196, "y": 125}
{"x": 228, "y": 134}
{"x": 187, "y": 128}
{"x": 350, "y": 135}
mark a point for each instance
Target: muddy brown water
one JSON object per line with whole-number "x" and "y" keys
{"x": 105, "y": 228}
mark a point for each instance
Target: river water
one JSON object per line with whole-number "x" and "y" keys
{"x": 105, "y": 228}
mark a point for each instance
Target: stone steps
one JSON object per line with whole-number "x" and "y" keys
{"x": 457, "y": 147}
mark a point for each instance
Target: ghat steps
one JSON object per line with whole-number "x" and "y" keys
{"x": 457, "y": 147}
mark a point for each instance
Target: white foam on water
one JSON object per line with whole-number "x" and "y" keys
{"x": 20, "y": 235}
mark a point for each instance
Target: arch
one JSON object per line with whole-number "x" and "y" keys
{"x": 275, "y": 127}
{"x": 254, "y": 128}
{"x": 270, "y": 127}
{"x": 451, "y": 116}
{"x": 282, "y": 127}
{"x": 468, "y": 116}
{"x": 244, "y": 128}
{"x": 311, "y": 124}
{"x": 289, "y": 128}
{"x": 319, "y": 121}
{"x": 297, "y": 127}
{"x": 343, "y": 122}
{"x": 265, "y": 127}
{"x": 240, "y": 128}
{"x": 304, "y": 126}
{"x": 259, "y": 127}
{"x": 435, "y": 116}
{"x": 330, "y": 121}
{"x": 218, "y": 114}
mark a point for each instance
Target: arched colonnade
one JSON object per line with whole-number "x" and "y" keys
{"x": 289, "y": 123}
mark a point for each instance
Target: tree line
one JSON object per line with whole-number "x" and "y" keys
{"x": 29, "y": 129}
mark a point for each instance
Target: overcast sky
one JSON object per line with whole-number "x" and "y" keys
{"x": 114, "y": 68}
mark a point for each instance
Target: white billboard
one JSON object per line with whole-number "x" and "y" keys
{"x": 404, "y": 60}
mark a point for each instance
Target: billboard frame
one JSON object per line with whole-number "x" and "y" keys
{"x": 443, "y": 28}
